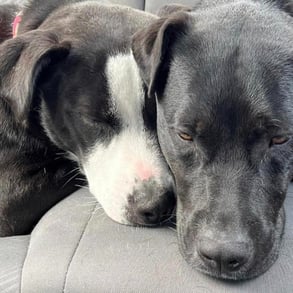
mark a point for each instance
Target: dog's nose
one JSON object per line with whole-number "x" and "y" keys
{"x": 223, "y": 256}
{"x": 148, "y": 216}
{"x": 153, "y": 216}
{"x": 155, "y": 211}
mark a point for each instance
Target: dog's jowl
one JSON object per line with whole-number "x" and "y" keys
{"x": 223, "y": 78}
{"x": 77, "y": 85}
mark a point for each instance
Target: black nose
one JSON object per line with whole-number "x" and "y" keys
{"x": 223, "y": 256}
{"x": 154, "y": 212}
{"x": 149, "y": 216}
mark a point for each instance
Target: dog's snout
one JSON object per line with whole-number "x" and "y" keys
{"x": 153, "y": 212}
{"x": 225, "y": 257}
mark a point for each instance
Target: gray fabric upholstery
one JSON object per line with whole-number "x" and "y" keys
{"x": 138, "y": 4}
{"x": 77, "y": 248}
{"x": 154, "y": 5}
{"x": 12, "y": 1}
{"x": 12, "y": 254}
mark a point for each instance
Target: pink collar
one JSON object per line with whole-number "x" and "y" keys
{"x": 15, "y": 24}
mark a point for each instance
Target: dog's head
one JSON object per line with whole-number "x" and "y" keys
{"x": 91, "y": 105}
{"x": 223, "y": 78}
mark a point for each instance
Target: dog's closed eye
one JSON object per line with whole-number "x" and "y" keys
{"x": 277, "y": 140}
{"x": 185, "y": 136}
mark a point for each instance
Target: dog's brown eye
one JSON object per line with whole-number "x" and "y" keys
{"x": 279, "y": 140}
{"x": 185, "y": 136}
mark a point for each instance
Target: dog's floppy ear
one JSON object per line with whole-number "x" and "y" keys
{"x": 21, "y": 61}
{"x": 152, "y": 49}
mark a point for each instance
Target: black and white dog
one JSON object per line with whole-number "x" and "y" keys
{"x": 69, "y": 82}
{"x": 223, "y": 78}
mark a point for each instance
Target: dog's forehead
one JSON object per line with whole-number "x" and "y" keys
{"x": 125, "y": 89}
{"x": 221, "y": 69}
{"x": 224, "y": 100}
{"x": 103, "y": 86}
{"x": 213, "y": 90}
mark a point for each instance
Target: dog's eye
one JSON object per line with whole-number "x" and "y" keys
{"x": 185, "y": 136}
{"x": 279, "y": 140}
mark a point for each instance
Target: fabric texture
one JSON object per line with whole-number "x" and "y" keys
{"x": 12, "y": 2}
{"x": 138, "y": 4}
{"x": 77, "y": 248}
{"x": 12, "y": 254}
{"x": 154, "y": 5}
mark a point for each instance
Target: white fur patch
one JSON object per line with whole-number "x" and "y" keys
{"x": 113, "y": 171}
{"x": 126, "y": 90}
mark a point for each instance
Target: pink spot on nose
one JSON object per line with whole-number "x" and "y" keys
{"x": 144, "y": 172}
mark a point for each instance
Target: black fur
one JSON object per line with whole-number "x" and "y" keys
{"x": 55, "y": 99}
{"x": 223, "y": 78}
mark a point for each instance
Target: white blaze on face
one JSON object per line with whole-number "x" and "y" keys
{"x": 114, "y": 170}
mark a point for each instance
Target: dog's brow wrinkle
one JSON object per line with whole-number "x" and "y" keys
{"x": 275, "y": 122}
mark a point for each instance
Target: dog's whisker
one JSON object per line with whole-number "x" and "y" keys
{"x": 71, "y": 171}
{"x": 58, "y": 158}
{"x": 70, "y": 179}
{"x": 88, "y": 204}
{"x": 90, "y": 198}
{"x": 173, "y": 229}
{"x": 168, "y": 220}
{"x": 81, "y": 186}
{"x": 93, "y": 201}
{"x": 98, "y": 208}
{"x": 100, "y": 214}
{"x": 88, "y": 195}
{"x": 171, "y": 215}
{"x": 80, "y": 179}
{"x": 61, "y": 153}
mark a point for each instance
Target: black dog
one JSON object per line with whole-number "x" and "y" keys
{"x": 34, "y": 175}
{"x": 69, "y": 82}
{"x": 223, "y": 78}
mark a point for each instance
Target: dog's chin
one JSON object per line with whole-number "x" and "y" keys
{"x": 125, "y": 219}
{"x": 257, "y": 268}
{"x": 117, "y": 217}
